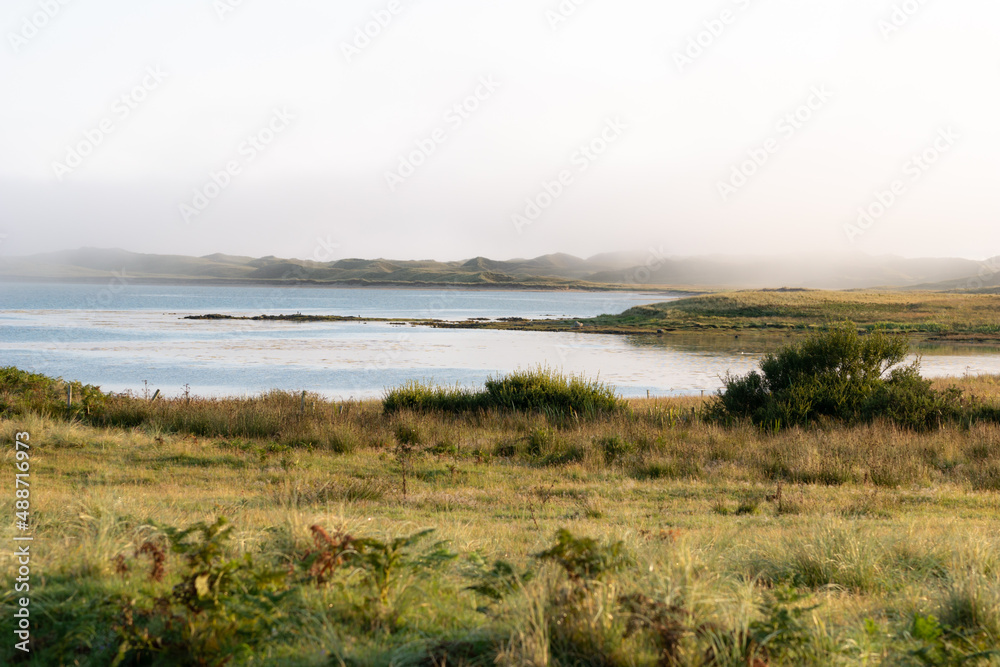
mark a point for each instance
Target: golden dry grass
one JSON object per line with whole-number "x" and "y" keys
{"x": 874, "y": 524}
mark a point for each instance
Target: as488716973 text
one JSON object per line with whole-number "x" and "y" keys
{"x": 22, "y": 540}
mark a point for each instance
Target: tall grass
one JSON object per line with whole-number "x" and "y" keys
{"x": 539, "y": 390}
{"x": 422, "y": 396}
{"x": 547, "y": 391}
{"x": 667, "y": 439}
{"x": 845, "y": 542}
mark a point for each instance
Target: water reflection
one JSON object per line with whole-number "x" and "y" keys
{"x": 120, "y": 349}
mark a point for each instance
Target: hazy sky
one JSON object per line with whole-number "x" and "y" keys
{"x": 581, "y": 126}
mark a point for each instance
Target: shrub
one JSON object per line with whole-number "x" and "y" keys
{"x": 22, "y": 392}
{"x": 940, "y": 644}
{"x": 389, "y": 565}
{"x": 220, "y": 611}
{"x": 585, "y": 559}
{"x": 498, "y": 582}
{"x": 550, "y": 392}
{"x": 537, "y": 390}
{"x": 540, "y": 440}
{"x": 420, "y": 396}
{"x": 782, "y": 633}
{"x": 836, "y": 375}
{"x": 328, "y": 555}
{"x": 409, "y": 435}
{"x": 615, "y": 449}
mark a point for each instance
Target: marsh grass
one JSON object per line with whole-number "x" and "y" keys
{"x": 812, "y": 310}
{"x": 540, "y": 390}
{"x": 874, "y": 524}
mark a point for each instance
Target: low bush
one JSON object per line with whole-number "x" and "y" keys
{"x": 22, "y": 392}
{"x": 585, "y": 559}
{"x": 540, "y": 390}
{"x": 220, "y": 611}
{"x": 419, "y": 396}
{"x": 547, "y": 391}
{"x": 837, "y": 375}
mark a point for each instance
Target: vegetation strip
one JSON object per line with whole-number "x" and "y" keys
{"x": 936, "y": 317}
{"x": 514, "y": 526}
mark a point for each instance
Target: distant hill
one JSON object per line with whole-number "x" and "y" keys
{"x": 556, "y": 271}
{"x": 983, "y": 279}
{"x": 89, "y": 264}
{"x": 99, "y": 262}
{"x": 817, "y": 272}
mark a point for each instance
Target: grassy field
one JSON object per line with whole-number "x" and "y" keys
{"x": 932, "y": 313}
{"x": 712, "y": 545}
{"x": 934, "y": 316}
{"x": 929, "y": 316}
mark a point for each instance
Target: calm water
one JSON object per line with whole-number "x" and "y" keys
{"x": 118, "y": 337}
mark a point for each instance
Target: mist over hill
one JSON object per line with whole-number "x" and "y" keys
{"x": 635, "y": 270}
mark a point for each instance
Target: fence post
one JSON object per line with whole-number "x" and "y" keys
{"x": 302, "y": 407}
{"x": 69, "y": 397}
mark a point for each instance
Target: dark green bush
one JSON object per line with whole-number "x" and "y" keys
{"x": 839, "y": 375}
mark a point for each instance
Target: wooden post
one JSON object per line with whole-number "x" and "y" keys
{"x": 69, "y": 397}
{"x": 302, "y": 407}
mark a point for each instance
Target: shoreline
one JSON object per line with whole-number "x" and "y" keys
{"x": 771, "y": 332}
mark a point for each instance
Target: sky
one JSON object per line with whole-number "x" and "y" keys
{"x": 448, "y": 129}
